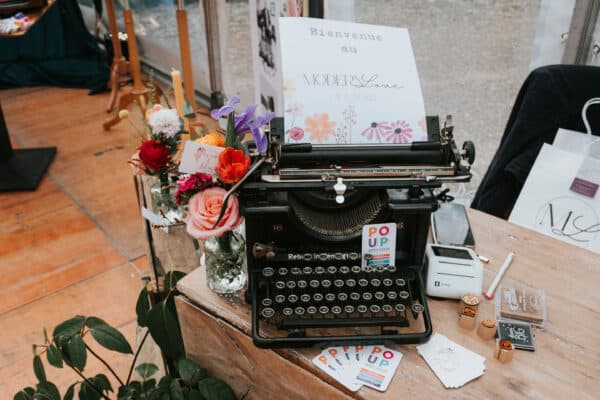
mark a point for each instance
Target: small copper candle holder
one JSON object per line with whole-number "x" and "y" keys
{"x": 487, "y": 329}
{"x": 469, "y": 300}
{"x": 466, "y": 320}
{"x": 504, "y": 351}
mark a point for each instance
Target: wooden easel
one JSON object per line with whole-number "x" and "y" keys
{"x": 185, "y": 54}
{"x": 119, "y": 64}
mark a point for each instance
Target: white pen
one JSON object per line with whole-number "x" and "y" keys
{"x": 489, "y": 294}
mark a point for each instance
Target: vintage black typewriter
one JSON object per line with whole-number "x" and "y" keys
{"x": 305, "y": 206}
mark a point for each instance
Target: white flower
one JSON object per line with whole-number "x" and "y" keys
{"x": 165, "y": 121}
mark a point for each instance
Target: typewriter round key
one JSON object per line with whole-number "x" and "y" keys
{"x": 266, "y": 301}
{"x": 354, "y": 296}
{"x": 400, "y": 307}
{"x": 367, "y": 296}
{"x": 336, "y": 309}
{"x": 287, "y": 311}
{"x": 392, "y": 295}
{"x": 356, "y": 269}
{"x": 418, "y": 308}
{"x": 368, "y": 268}
{"x": 296, "y": 271}
{"x": 391, "y": 268}
{"x": 307, "y": 270}
{"x": 267, "y": 312}
{"x": 354, "y": 256}
{"x": 311, "y": 310}
{"x": 314, "y": 283}
{"x": 363, "y": 282}
{"x": 400, "y": 282}
{"x": 387, "y": 308}
{"x": 375, "y": 308}
{"x": 379, "y": 295}
{"x": 404, "y": 294}
{"x": 380, "y": 268}
{"x": 282, "y": 271}
{"x": 332, "y": 269}
{"x": 292, "y": 298}
{"x": 280, "y": 285}
{"x": 342, "y": 296}
{"x": 319, "y": 270}
{"x": 349, "y": 309}
{"x": 388, "y": 282}
{"x": 291, "y": 284}
{"x": 267, "y": 272}
{"x": 361, "y": 308}
{"x": 330, "y": 297}
{"x": 338, "y": 283}
{"x": 344, "y": 269}
{"x": 323, "y": 309}
{"x": 280, "y": 298}
{"x": 326, "y": 283}
{"x": 375, "y": 282}
{"x": 318, "y": 297}
{"x": 305, "y": 298}
{"x": 299, "y": 310}
{"x": 350, "y": 283}
{"x": 302, "y": 284}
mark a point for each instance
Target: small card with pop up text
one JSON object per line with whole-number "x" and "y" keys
{"x": 378, "y": 245}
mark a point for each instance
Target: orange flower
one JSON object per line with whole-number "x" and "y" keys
{"x": 212, "y": 139}
{"x": 232, "y": 166}
{"x": 319, "y": 127}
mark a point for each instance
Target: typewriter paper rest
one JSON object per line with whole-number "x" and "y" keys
{"x": 348, "y": 83}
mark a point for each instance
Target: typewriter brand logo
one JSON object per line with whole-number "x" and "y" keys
{"x": 323, "y": 256}
{"x": 569, "y": 218}
{"x": 278, "y": 228}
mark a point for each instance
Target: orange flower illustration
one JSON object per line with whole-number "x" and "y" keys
{"x": 319, "y": 127}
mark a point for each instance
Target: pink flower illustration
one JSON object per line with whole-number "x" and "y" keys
{"x": 398, "y": 132}
{"x": 296, "y": 133}
{"x": 376, "y": 131}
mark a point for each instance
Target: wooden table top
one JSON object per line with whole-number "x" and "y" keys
{"x": 566, "y": 361}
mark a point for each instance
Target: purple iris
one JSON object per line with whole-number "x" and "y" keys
{"x": 226, "y": 109}
{"x": 259, "y": 138}
{"x": 243, "y": 121}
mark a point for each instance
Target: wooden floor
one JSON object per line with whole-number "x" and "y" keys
{"x": 74, "y": 246}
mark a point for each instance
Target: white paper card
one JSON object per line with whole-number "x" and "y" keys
{"x": 198, "y": 157}
{"x": 379, "y": 245}
{"x": 325, "y": 362}
{"x": 378, "y": 368}
{"x": 156, "y": 219}
{"x": 349, "y": 83}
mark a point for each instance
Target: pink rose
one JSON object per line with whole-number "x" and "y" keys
{"x": 296, "y": 133}
{"x": 203, "y": 211}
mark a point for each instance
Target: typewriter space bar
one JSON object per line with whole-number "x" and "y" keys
{"x": 302, "y": 323}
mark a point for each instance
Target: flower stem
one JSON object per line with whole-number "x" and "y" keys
{"x": 137, "y": 353}
{"x": 105, "y": 363}
{"x": 96, "y": 388}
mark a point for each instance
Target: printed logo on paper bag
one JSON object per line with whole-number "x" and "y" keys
{"x": 379, "y": 245}
{"x": 569, "y": 218}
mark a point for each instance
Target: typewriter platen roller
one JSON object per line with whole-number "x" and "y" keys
{"x": 305, "y": 209}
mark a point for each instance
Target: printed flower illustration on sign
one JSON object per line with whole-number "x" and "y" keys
{"x": 319, "y": 127}
{"x": 423, "y": 125}
{"x": 398, "y": 132}
{"x": 376, "y": 131}
{"x": 296, "y": 133}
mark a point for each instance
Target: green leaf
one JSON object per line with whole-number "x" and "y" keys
{"x": 38, "y": 369}
{"x": 25, "y": 394}
{"x": 198, "y": 376}
{"x": 230, "y": 135}
{"x": 131, "y": 391}
{"x": 175, "y": 391}
{"x": 87, "y": 392}
{"x": 47, "y": 391}
{"x": 148, "y": 385}
{"x": 70, "y": 327}
{"x": 165, "y": 381}
{"x": 107, "y": 336}
{"x": 54, "y": 357}
{"x": 165, "y": 330}
{"x": 215, "y": 389}
{"x": 186, "y": 369}
{"x": 146, "y": 370}
{"x": 77, "y": 352}
{"x": 142, "y": 307}
{"x": 102, "y": 382}
{"x": 70, "y": 392}
{"x": 194, "y": 394}
{"x": 46, "y": 335}
{"x": 62, "y": 345}
{"x": 171, "y": 279}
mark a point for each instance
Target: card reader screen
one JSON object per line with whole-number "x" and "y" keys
{"x": 451, "y": 253}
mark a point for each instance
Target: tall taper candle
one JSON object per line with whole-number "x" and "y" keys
{"x": 179, "y": 99}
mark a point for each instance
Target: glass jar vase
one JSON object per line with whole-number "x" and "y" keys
{"x": 162, "y": 193}
{"x": 225, "y": 261}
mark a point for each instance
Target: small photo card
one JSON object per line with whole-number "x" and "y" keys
{"x": 199, "y": 158}
{"x": 378, "y": 245}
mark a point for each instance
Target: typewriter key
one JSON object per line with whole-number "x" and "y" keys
{"x": 350, "y": 283}
{"x": 326, "y": 283}
{"x": 336, "y": 309}
{"x": 296, "y": 271}
{"x": 368, "y": 268}
{"x": 342, "y": 296}
{"x": 330, "y": 297}
{"x": 400, "y": 282}
{"x": 302, "y": 284}
{"x": 367, "y": 296}
{"x": 332, "y": 269}
{"x": 279, "y": 298}
{"x": 314, "y": 283}
{"x": 375, "y": 282}
{"x": 356, "y": 269}
{"x": 287, "y": 311}
{"x": 280, "y": 285}
{"x": 361, "y": 308}
{"x": 299, "y": 310}
{"x": 292, "y": 298}
{"x": 291, "y": 284}
{"x": 305, "y": 298}
{"x": 380, "y": 268}
{"x": 387, "y": 308}
{"x": 349, "y": 309}
{"x": 319, "y": 270}
{"x": 418, "y": 308}
{"x": 307, "y": 270}
{"x": 388, "y": 282}
{"x": 375, "y": 308}
{"x": 354, "y": 296}
{"x": 404, "y": 294}
{"x": 311, "y": 310}
{"x": 344, "y": 269}
{"x": 268, "y": 271}
{"x": 354, "y": 256}
{"x": 379, "y": 295}
{"x": 338, "y": 283}
{"x": 392, "y": 295}
{"x": 323, "y": 309}
{"x": 400, "y": 307}
{"x": 267, "y": 312}
{"x": 391, "y": 268}
{"x": 283, "y": 271}
{"x": 266, "y": 302}
{"x": 318, "y": 297}
{"x": 363, "y": 282}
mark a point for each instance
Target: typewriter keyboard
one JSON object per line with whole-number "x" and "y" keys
{"x": 322, "y": 296}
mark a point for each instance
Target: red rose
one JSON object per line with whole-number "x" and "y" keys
{"x": 154, "y": 154}
{"x": 232, "y": 166}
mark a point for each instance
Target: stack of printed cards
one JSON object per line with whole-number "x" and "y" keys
{"x": 453, "y": 364}
{"x": 354, "y": 366}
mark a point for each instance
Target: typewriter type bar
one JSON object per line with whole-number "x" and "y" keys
{"x": 370, "y": 172}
